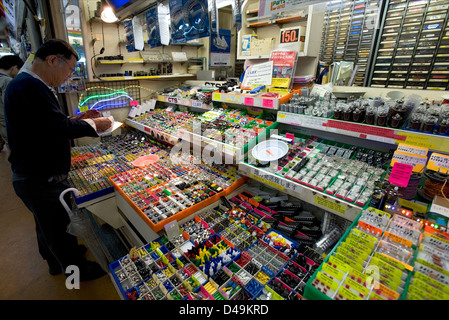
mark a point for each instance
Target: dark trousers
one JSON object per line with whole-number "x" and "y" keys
{"x": 42, "y": 199}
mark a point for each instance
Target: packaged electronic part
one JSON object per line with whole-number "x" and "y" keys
{"x": 177, "y": 21}
{"x": 196, "y": 19}
{"x": 434, "y": 251}
{"x": 423, "y": 290}
{"x": 328, "y": 240}
{"x": 154, "y": 39}
{"x": 395, "y": 250}
{"x": 237, "y": 14}
{"x": 129, "y": 34}
{"x": 431, "y": 272}
{"x": 433, "y": 259}
{"x": 432, "y": 282}
{"x": 364, "y": 238}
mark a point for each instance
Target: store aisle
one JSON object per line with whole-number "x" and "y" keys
{"x": 23, "y": 273}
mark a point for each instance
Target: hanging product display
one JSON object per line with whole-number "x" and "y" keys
{"x": 237, "y": 14}
{"x": 189, "y": 20}
{"x": 196, "y": 14}
{"x": 177, "y": 21}
{"x": 158, "y": 25}
{"x": 129, "y": 35}
{"x": 220, "y": 51}
{"x": 154, "y": 38}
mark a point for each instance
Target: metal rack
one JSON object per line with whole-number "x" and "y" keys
{"x": 411, "y": 45}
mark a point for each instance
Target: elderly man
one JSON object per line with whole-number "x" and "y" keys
{"x": 39, "y": 137}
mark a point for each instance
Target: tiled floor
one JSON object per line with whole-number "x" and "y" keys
{"x": 23, "y": 273}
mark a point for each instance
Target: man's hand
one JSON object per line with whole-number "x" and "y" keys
{"x": 88, "y": 114}
{"x": 102, "y": 123}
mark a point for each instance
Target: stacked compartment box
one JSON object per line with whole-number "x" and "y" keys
{"x": 193, "y": 265}
{"x": 349, "y": 34}
{"x": 413, "y": 50}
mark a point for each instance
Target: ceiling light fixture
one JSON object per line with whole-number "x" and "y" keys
{"x": 107, "y": 14}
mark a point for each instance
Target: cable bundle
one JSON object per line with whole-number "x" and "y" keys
{"x": 436, "y": 184}
{"x": 409, "y": 192}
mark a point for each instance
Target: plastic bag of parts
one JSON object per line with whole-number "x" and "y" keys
{"x": 237, "y": 14}
{"x": 154, "y": 37}
{"x": 196, "y": 17}
{"x": 322, "y": 91}
{"x": 328, "y": 240}
{"x": 189, "y": 20}
{"x": 214, "y": 23}
{"x": 129, "y": 34}
{"x": 177, "y": 24}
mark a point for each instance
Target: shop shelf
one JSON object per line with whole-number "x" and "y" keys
{"x": 320, "y": 199}
{"x": 251, "y": 100}
{"x": 365, "y": 131}
{"x": 171, "y": 139}
{"x": 156, "y": 227}
{"x": 184, "y": 102}
{"x": 162, "y": 77}
{"x": 312, "y": 293}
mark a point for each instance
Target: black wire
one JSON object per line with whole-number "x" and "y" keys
{"x": 92, "y": 66}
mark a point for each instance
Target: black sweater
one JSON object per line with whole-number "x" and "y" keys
{"x": 39, "y": 133}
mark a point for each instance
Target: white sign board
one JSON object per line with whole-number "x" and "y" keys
{"x": 258, "y": 74}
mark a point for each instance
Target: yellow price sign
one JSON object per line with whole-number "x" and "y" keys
{"x": 417, "y": 161}
{"x": 438, "y": 162}
{"x": 280, "y": 82}
{"x": 405, "y": 148}
{"x": 330, "y": 204}
{"x": 424, "y": 141}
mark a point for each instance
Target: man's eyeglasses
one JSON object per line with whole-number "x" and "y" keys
{"x": 66, "y": 61}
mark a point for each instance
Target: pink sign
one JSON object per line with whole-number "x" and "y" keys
{"x": 249, "y": 101}
{"x": 400, "y": 174}
{"x": 267, "y": 103}
{"x": 134, "y": 103}
{"x": 290, "y": 136}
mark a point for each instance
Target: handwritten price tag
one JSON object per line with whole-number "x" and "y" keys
{"x": 268, "y": 103}
{"x": 400, "y": 174}
{"x": 249, "y": 101}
